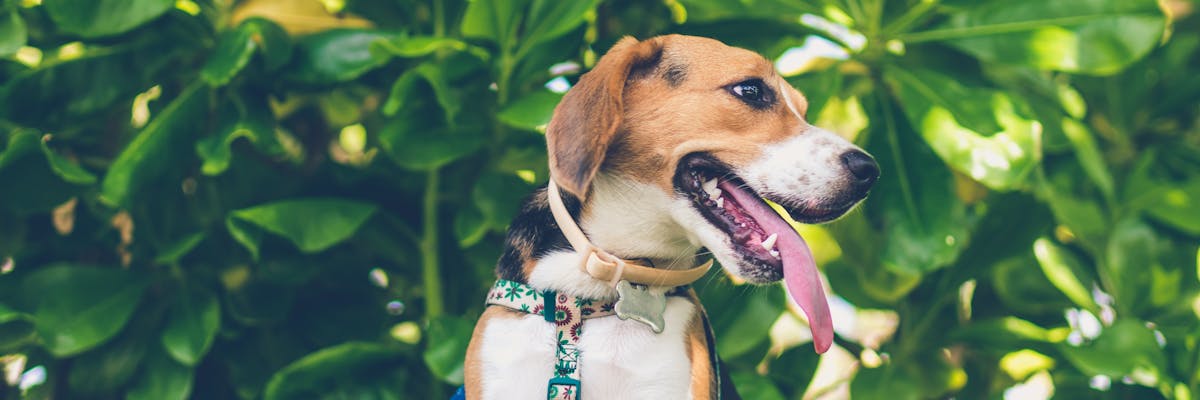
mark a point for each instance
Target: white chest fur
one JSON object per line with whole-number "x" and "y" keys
{"x": 621, "y": 359}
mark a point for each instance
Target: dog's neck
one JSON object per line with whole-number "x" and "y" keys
{"x": 628, "y": 219}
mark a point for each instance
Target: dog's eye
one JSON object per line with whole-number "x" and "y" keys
{"x": 753, "y": 92}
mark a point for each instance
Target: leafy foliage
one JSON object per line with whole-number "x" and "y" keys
{"x": 300, "y": 199}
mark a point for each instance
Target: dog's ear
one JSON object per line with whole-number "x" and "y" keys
{"x": 589, "y": 116}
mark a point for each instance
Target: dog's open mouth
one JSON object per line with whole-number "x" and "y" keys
{"x": 760, "y": 236}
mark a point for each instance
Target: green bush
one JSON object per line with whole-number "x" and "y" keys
{"x": 303, "y": 199}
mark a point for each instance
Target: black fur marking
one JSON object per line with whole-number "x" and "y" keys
{"x": 643, "y": 67}
{"x": 675, "y": 74}
{"x": 533, "y": 234}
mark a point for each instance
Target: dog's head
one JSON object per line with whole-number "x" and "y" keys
{"x": 717, "y": 130}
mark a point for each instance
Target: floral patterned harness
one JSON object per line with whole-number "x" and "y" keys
{"x": 567, "y": 313}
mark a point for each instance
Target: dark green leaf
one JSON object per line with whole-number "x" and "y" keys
{"x": 233, "y": 52}
{"x": 498, "y": 197}
{"x": 960, "y": 124}
{"x": 549, "y": 19}
{"x": 337, "y": 55}
{"x": 12, "y": 33}
{"x": 493, "y": 20}
{"x": 93, "y": 18}
{"x": 247, "y": 117}
{"x": 751, "y": 385}
{"x": 172, "y": 253}
{"x": 425, "y": 147}
{"x": 741, "y": 317}
{"x": 191, "y": 326}
{"x": 405, "y": 87}
{"x": 154, "y": 148}
{"x": 418, "y": 46}
{"x": 69, "y": 171}
{"x": 311, "y": 224}
{"x": 316, "y": 373}
{"x": 470, "y": 226}
{"x": 448, "y": 339}
{"x": 1086, "y": 36}
{"x": 272, "y": 41}
{"x": 246, "y": 234}
{"x": 107, "y": 368}
{"x": 1131, "y": 252}
{"x": 16, "y": 328}
{"x": 81, "y": 307}
{"x": 533, "y": 111}
{"x": 162, "y": 379}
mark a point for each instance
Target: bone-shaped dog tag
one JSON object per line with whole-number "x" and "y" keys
{"x": 640, "y": 304}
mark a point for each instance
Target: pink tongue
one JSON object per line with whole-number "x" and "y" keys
{"x": 799, "y": 269}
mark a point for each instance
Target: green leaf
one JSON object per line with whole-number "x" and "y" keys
{"x": 12, "y": 33}
{"x": 191, "y": 326}
{"x": 175, "y": 251}
{"x": 494, "y": 20}
{"x": 532, "y": 111}
{"x": 1082, "y": 36}
{"x": 1131, "y": 252}
{"x": 887, "y": 382}
{"x": 549, "y": 19}
{"x": 16, "y": 328}
{"x": 499, "y": 197}
{"x": 155, "y": 147}
{"x": 751, "y": 385}
{"x": 405, "y": 86}
{"x": 413, "y": 144}
{"x": 94, "y": 18}
{"x": 109, "y": 367}
{"x": 1002, "y": 333}
{"x": 925, "y": 225}
{"x": 448, "y": 339}
{"x": 337, "y": 55}
{"x": 793, "y": 369}
{"x": 236, "y": 47}
{"x": 312, "y": 224}
{"x": 81, "y": 307}
{"x": 69, "y": 171}
{"x": 319, "y": 373}
{"x": 1065, "y": 271}
{"x": 418, "y": 46}
{"x": 742, "y": 319}
{"x": 959, "y": 123}
{"x": 242, "y": 116}
{"x": 1127, "y": 348}
{"x": 1177, "y": 207}
{"x": 162, "y": 379}
{"x": 470, "y": 226}
{"x": 707, "y": 10}
{"x": 233, "y": 52}
{"x": 246, "y": 234}
{"x": 1088, "y": 153}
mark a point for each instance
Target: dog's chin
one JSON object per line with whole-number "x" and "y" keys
{"x": 741, "y": 228}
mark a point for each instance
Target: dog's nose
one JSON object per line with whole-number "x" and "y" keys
{"x": 862, "y": 167}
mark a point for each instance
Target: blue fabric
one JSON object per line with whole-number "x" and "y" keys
{"x": 461, "y": 394}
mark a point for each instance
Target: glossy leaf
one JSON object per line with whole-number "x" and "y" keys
{"x": 81, "y": 307}
{"x": 172, "y": 253}
{"x": 406, "y": 87}
{"x": 979, "y": 132}
{"x": 337, "y": 55}
{"x": 93, "y": 18}
{"x": 493, "y": 20}
{"x": 12, "y": 33}
{"x": 1132, "y": 250}
{"x": 325, "y": 221}
{"x": 533, "y": 111}
{"x": 162, "y": 378}
{"x": 69, "y": 171}
{"x": 448, "y": 339}
{"x": 316, "y": 373}
{"x": 148, "y": 155}
{"x": 236, "y": 47}
{"x": 16, "y": 328}
{"x": 1086, "y": 36}
{"x": 425, "y": 147}
{"x": 742, "y": 317}
{"x": 549, "y": 19}
{"x": 1065, "y": 271}
{"x": 191, "y": 326}
{"x": 418, "y": 46}
{"x": 754, "y": 386}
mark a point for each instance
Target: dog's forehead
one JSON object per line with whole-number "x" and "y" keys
{"x": 711, "y": 58}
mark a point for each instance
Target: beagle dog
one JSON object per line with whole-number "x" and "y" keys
{"x": 667, "y": 147}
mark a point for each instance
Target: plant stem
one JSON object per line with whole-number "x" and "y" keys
{"x": 434, "y": 303}
{"x": 439, "y": 18}
{"x": 913, "y": 15}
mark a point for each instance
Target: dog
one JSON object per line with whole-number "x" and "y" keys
{"x": 667, "y": 147}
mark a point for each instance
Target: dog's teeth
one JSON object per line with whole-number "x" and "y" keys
{"x": 715, "y": 193}
{"x": 710, "y": 187}
{"x": 769, "y": 242}
{"x": 720, "y": 202}
{"x": 775, "y": 253}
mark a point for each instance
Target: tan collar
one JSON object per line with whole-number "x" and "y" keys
{"x": 604, "y": 266}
